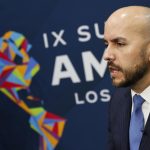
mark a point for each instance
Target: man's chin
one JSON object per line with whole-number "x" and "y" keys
{"x": 119, "y": 83}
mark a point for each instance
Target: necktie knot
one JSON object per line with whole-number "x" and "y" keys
{"x": 138, "y": 101}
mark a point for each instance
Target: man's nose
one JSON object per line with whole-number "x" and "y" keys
{"x": 108, "y": 54}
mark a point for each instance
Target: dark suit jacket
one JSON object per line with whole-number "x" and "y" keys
{"x": 119, "y": 120}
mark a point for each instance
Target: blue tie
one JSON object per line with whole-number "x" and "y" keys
{"x": 136, "y": 123}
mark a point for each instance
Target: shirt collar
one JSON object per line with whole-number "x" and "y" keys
{"x": 145, "y": 94}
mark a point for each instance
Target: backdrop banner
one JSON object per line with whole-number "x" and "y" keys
{"x": 54, "y": 82}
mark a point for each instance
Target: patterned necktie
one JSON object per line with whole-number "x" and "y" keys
{"x": 136, "y": 123}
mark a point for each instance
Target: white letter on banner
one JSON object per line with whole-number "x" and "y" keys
{"x": 86, "y": 35}
{"x": 105, "y": 95}
{"x": 89, "y": 62}
{"x": 94, "y": 97}
{"x": 97, "y": 32}
{"x": 45, "y": 38}
{"x": 77, "y": 100}
{"x": 58, "y": 38}
{"x": 68, "y": 73}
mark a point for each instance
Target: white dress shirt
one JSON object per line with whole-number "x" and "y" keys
{"x": 146, "y": 105}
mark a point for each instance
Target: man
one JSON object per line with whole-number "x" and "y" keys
{"x": 127, "y": 36}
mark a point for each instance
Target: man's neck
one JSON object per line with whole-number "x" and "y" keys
{"x": 141, "y": 84}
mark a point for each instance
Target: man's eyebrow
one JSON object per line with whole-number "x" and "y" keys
{"x": 118, "y": 39}
{"x": 115, "y": 39}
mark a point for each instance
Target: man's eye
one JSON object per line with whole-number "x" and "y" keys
{"x": 120, "y": 44}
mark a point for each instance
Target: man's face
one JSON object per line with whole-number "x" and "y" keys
{"x": 125, "y": 53}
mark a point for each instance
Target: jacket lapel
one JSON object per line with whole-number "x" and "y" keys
{"x": 125, "y": 119}
{"x": 145, "y": 142}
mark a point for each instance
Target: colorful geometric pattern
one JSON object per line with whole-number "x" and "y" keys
{"x": 16, "y": 72}
{"x": 48, "y": 125}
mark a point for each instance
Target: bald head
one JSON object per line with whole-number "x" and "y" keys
{"x": 134, "y": 11}
{"x": 133, "y": 18}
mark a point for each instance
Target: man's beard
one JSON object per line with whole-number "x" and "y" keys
{"x": 132, "y": 75}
